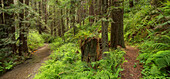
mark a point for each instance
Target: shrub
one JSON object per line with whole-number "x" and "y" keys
{"x": 34, "y": 40}
{"x": 66, "y": 64}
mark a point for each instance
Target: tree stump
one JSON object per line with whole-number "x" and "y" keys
{"x": 91, "y": 49}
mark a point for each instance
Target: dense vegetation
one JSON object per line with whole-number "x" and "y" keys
{"x": 76, "y": 30}
{"x": 148, "y": 28}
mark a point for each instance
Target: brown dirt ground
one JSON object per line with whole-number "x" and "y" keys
{"x": 29, "y": 68}
{"x": 129, "y": 71}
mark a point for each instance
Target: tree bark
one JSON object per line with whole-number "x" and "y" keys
{"x": 40, "y": 15}
{"x": 117, "y": 37}
{"x": 91, "y": 12}
{"x": 72, "y": 16}
{"x": 59, "y": 23}
{"x": 121, "y": 34}
{"x": 23, "y": 48}
{"x": 62, "y": 23}
{"x": 104, "y": 28}
{"x": 114, "y": 25}
{"x": 46, "y": 14}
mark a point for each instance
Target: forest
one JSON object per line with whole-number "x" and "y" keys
{"x": 84, "y": 39}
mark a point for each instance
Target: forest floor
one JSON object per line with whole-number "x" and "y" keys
{"x": 29, "y": 68}
{"x": 132, "y": 68}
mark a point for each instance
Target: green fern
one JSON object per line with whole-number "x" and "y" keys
{"x": 162, "y": 59}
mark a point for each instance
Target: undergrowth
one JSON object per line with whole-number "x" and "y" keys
{"x": 65, "y": 63}
{"x": 8, "y": 60}
{"x": 148, "y": 28}
{"x": 35, "y": 40}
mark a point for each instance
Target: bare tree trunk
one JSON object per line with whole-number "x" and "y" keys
{"x": 105, "y": 27}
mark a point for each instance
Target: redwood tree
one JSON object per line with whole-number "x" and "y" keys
{"x": 105, "y": 27}
{"x": 117, "y": 37}
{"x": 23, "y": 48}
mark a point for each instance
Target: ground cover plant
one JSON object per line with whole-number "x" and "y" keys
{"x": 65, "y": 63}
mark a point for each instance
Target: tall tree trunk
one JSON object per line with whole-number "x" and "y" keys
{"x": 114, "y": 25}
{"x": 117, "y": 37}
{"x": 96, "y": 9}
{"x": 26, "y": 30}
{"x": 62, "y": 23}
{"x": 91, "y": 12}
{"x": 23, "y": 48}
{"x": 67, "y": 12}
{"x": 100, "y": 9}
{"x": 53, "y": 22}
{"x": 2, "y": 14}
{"x": 121, "y": 34}
{"x": 46, "y": 13}
{"x": 84, "y": 2}
{"x": 40, "y": 15}
{"x": 79, "y": 13}
{"x": 105, "y": 27}
{"x": 59, "y": 24}
{"x": 21, "y": 35}
{"x": 59, "y": 28}
{"x": 55, "y": 28}
{"x": 72, "y": 16}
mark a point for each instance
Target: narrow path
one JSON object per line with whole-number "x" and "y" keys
{"x": 29, "y": 68}
{"x": 132, "y": 69}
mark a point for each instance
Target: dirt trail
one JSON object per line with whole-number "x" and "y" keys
{"x": 132, "y": 69}
{"x": 29, "y": 68}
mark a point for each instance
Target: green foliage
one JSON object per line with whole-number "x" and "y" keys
{"x": 48, "y": 38}
{"x": 155, "y": 57}
{"x": 56, "y": 43}
{"x": 8, "y": 60}
{"x": 34, "y": 40}
{"x": 65, "y": 63}
{"x": 147, "y": 26}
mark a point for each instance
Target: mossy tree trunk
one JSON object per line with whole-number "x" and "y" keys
{"x": 105, "y": 27}
{"x": 117, "y": 37}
